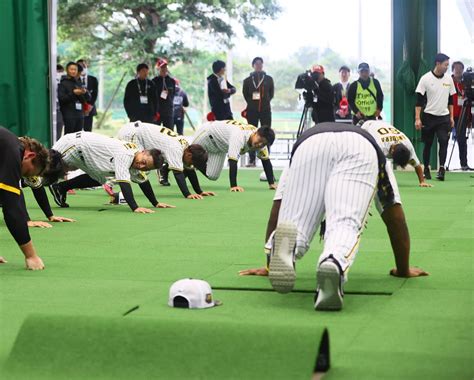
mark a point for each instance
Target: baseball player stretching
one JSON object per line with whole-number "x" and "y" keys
{"x": 232, "y": 138}
{"x": 101, "y": 157}
{"x": 179, "y": 156}
{"x": 397, "y": 146}
{"x": 334, "y": 171}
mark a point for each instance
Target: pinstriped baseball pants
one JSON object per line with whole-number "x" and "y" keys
{"x": 332, "y": 175}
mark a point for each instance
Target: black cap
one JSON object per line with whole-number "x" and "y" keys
{"x": 344, "y": 67}
{"x": 363, "y": 66}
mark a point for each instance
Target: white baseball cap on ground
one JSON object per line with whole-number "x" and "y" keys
{"x": 191, "y": 293}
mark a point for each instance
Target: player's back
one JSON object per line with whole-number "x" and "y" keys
{"x": 385, "y": 134}
{"x": 216, "y": 135}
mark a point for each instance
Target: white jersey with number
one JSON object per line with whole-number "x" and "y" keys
{"x": 227, "y": 136}
{"x": 100, "y": 156}
{"x": 151, "y": 136}
{"x": 387, "y": 135}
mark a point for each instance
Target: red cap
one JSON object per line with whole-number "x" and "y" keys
{"x": 211, "y": 117}
{"x": 160, "y": 62}
{"x": 244, "y": 113}
{"x": 317, "y": 69}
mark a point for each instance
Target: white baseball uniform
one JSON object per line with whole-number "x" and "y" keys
{"x": 100, "y": 156}
{"x": 332, "y": 174}
{"x": 385, "y": 136}
{"x": 151, "y": 136}
{"x": 225, "y": 138}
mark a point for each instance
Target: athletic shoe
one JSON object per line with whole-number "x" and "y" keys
{"x": 164, "y": 182}
{"x": 109, "y": 189}
{"x": 282, "y": 273}
{"x": 329, "y": 293}
{"x": 59, "y": 195}
{"x": 71, "y": 192}
{"x": 440, "y": 175}
{"x": 466, "y": 168}
{"x": 426, "y": 172}
{"x": 251, "y": 165}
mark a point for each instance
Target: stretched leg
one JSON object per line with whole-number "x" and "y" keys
{"x": 301, "y": 209}
{"x": 356, "y": 173}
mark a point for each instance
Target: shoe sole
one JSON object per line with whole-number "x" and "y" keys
{"x": 282, "y": 273}
{"x": 329, "y": 294}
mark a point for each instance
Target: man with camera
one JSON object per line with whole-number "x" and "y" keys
{"x": 365, "y": 96}
{"x": 460, "y": 125}
{"x": 435, "y": 92}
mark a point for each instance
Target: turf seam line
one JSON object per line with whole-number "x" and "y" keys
{"x": 230, "y": 288}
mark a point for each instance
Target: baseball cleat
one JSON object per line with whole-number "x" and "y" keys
{"x": 282, "y": 273}
{"x": 441, "y": 173}
{"x": 426, "y": 172}
{"x": 59, "y": 195}
{"x": 329, "y": 293}
{"x": 109, "y": 189}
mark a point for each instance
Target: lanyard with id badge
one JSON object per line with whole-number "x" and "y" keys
{"x": 256, "y": 93}
{"x": 143, "y": 98}
{"x": 164, "y": 90}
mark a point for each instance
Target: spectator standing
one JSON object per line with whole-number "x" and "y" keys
{"x": 140, "y": 97}
{"x": 72, "y": 97}
{"x": 342, "y": 110}
{"x": 166, "y": 89}
{"x": 59, "y": 115}
{"x": 91, "y": 83}
{"x": 179, "y": 103}
{"x": 458, "y": 100}
{"x": 219, "y": 91}
{"x": 365, "y": 96}
{"x": 258, "y": 90}
{"x": 435, "y": 92}
{"x": 323, "y": 107}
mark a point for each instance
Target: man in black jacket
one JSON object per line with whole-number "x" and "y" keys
{"x": 90, "y": 83}
{"x": 72, "y": 97}
{"x": 165, "y": 91}
{"x": 219, "y": 91}
{"x": 258, "y": 90}
{"x": 323, "y": 108}
{"x": 365, "y": 96}
{"x": 140, "y": 97}
{"x": 19, "y": 157}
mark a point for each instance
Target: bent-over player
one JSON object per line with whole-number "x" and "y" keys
{"x": 396, "y": 146}
{"x": 179, "y": 156}
{"x": 19, "y": 157}
{"x": 232, "y": 138}
{"x": 334, "y": 171}
{"x": 101, "y": 157}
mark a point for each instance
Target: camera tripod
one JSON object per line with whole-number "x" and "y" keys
{"x": 305, "y": 120}
{"x": 462, "y": 122}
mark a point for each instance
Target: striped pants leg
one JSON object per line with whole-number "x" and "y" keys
{"x": 332, "y": 174}
{"x": 215, "y": 164}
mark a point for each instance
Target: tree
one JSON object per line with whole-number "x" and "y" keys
{"x": 140, "y": 30}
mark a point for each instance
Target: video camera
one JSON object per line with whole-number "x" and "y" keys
{"x": 468, "y": 83}
{"x": 307, "y": 81}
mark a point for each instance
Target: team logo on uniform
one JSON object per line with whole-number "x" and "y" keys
{"x": 209, "y": 298}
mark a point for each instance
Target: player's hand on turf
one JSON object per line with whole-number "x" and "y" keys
{"x": 412, "y": 272}
{"x": 194, "y": 196}
{"x": 38, "y": 224}
{"x": 237, "y": 189}
{"x": 273, "y": 186}
{"x": 60, "y": 219}
{"x": 2, "y": 260}
{"x": 143, "y": 210}
{"x": 425, "y": 184}
{"x": 254, "y": 272}
{"x": 164, "y": 205}
{"x": 34, "y": 263}
{"x": 418, "y": 124}
{"x": 208, "y": 194}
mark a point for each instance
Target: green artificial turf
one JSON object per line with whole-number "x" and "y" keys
{"x": 113, "y": 260}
